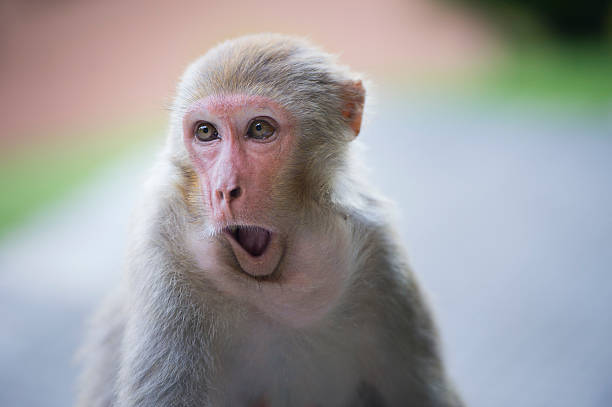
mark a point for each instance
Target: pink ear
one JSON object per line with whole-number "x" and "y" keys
{"x": 354, "y": 98}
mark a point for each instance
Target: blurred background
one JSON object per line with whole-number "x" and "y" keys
{"x": 489, "y": 123}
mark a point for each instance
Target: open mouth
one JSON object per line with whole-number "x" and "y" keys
{"x": 253, "y": 239}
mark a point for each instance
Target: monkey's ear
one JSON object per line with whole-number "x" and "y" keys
{"x": 352, "y": 109}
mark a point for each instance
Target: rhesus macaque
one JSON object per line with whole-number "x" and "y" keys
{"x": 261, "y": 270}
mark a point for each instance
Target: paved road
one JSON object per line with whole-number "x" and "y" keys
{"x": 507, "y": 214}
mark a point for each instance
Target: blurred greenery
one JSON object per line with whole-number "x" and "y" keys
{"x": 574, "y": 76}
{"x": 566, "y": 78}
{"x": 39, "y": 172}
{"x": 556, "y": 52}
{"x": 564, "y": 19}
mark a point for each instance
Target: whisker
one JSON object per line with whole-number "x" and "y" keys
{"x": 212, "y": 231}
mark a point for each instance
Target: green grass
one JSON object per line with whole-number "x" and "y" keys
{"x": 35, "y": 174}
{"x": 575, "y": 78}
{"x": 579, "y": 77}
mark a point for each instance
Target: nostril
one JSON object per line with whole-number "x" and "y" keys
{"x": 235, "y": 193}
{"x": 225, "y": 195}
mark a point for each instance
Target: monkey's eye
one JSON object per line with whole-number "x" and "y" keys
{"x": 205, "y": 131}
{"x": 260, "y": 130}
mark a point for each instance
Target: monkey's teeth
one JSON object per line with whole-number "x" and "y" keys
{"x": 233, "y": 229}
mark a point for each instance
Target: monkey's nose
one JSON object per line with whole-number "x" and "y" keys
{"x": 229, "y": 194}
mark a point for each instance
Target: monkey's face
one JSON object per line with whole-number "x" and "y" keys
{"x": 238, "y": 146}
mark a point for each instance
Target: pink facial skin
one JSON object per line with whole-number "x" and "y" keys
{"x": 235, "y": 160}
{"x": 237, "y": 172}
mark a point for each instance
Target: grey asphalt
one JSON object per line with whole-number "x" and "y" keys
{"x": 506, "y": 212}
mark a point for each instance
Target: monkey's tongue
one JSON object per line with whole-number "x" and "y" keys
{"x": 253, "y": 239}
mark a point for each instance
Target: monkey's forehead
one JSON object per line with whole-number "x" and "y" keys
{"x": 286, "y": 69}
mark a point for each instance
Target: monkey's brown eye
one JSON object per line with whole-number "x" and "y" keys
{"x": 206, "y": 132}
{"x": 260, "y": 130}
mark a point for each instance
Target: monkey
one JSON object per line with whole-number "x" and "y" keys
{"x": 262, "y": 270}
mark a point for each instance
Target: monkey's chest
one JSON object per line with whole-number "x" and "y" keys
{"x": 291, "y": 372}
